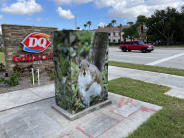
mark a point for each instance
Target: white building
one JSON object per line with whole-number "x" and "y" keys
{"x": 114, "y": 33}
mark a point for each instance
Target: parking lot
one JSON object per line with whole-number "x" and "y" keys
{"x": 171, "y": 58}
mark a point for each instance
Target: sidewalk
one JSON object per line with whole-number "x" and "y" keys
{"x": 173, "y": 81}
{"x": 26, "y": 96}
{"x": 30, "y": 95}
{"x": 28, "y": 113}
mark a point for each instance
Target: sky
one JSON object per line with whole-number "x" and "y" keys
{"x": 61, "y": 13}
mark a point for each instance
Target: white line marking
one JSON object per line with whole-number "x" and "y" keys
{"x": 165, "y": 59}
{"x": 132, "y": 56}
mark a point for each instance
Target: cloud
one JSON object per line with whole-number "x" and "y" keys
{"x": 124, "y": 20}
{"x": 1, "y": 17}
{"x": 22, "y": 7}
{"x": 130, "y": 9}
{"x": 39, "y": 19}
{"x": 104, "y": 3}
{"x": 69, "y": 2}
{"x": 66, "y": 14}
{"x": 46, "y": 19}
{"x": 28, "y": 18}
{"x": 102, "y": 24}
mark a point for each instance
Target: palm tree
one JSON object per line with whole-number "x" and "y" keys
{"x": 78, "y": 28}
{"x": 110, "y": 25}
{"x": 89, "y": 23}
{"x": 119, "y": 26}
{"x": 131, "y": 26}
{"x": 85, "y": 25}
{"x": 113, "y": 22}
{"x": 141, "y": 21}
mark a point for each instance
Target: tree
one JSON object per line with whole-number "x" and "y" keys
{"x": 141, "y": 21}
{"x": 120, "y": 26}
{"x": 110, "y": 25}
{"x": 125, "y": 30}
{"x": 182, "y": 25}
{"x": 166, "y": 22}
{"x": 152, "y": 33}
{"x": 113, "y": 22}
{"x": 131, "y": 31}
{"x": 85, "y": 25}
{"x": 78, "y": 28}
{"x": 89, "y": 23}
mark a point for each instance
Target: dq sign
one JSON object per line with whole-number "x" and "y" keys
{"x": 36, "y": 42}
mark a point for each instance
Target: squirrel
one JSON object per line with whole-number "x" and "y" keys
{"x": 89, "y": 80}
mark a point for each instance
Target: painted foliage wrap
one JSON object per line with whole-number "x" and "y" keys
{"x": 81, "y": 68}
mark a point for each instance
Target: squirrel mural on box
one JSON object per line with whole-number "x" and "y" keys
{"x": 89, "y": 80}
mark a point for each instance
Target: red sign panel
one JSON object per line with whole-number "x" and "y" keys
{"x": 36, "y": 42}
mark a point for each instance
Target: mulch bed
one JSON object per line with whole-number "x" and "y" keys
{"x": 25, "y": 83}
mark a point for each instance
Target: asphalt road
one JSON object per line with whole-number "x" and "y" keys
{"x": 171, "y": 58}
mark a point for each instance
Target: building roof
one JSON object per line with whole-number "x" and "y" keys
{"x": 109, "y": 29}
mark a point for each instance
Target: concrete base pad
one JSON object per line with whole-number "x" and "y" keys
{"x": 72, "y": 117}
{"x": 33, "y": 123}
{"x": 107, "y": 122}
{"x": 96, "y": 127}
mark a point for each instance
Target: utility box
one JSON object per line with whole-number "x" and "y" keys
{"x": 80, "y": 69}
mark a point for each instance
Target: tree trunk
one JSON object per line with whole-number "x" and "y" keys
{"x": 142, "y": 33}
{"x": 168, "y": 41}
{"x": 99, "y": 49}
{"x": 172, "y": 39}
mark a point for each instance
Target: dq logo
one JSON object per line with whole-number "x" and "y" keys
{"x": 36, "y": 42}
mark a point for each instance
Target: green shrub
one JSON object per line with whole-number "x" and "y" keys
{"x": 12, "y": 80}
{"x": 51, "y": 74}
{"x": 1, "y": 49}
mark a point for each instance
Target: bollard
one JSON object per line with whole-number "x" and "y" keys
{"x": 33, "y": 75}
{"x": 38, "y": 78}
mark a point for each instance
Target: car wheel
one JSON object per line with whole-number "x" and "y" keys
{"x": 144, "y": 50}
{"x": 124, "y": 49}
{"x": 129, "y": 50}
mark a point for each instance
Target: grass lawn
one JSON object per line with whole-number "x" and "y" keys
{"x": 2, "y": 58}
{"x": 174, "y": 71}
{"x": 166, "y": 123}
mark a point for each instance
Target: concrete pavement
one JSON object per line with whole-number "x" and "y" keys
{"x": 28, "y": 113}
{"x": 117, "y": 120}
{"x": 26, "y": 96}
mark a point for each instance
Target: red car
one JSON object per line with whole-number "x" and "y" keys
{"x": 136, "y": 45}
